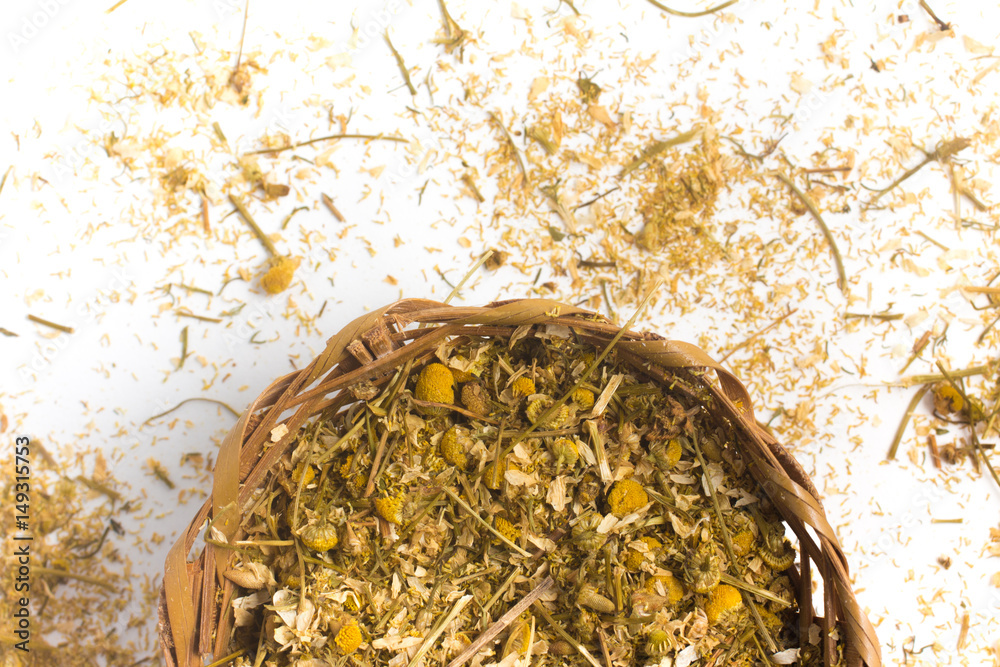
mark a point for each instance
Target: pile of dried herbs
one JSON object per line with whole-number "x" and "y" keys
{"x": 621, "y": 517}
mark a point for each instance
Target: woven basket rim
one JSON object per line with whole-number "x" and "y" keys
{"x": 381, "y": 340}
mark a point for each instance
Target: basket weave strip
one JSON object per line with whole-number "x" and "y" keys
{"x": 372, "y": 347}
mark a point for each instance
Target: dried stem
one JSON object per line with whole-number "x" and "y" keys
{"x": 728, "y": 544}
{"x": 942, "y": 25}
{"x": 658, "y": 147}
{"x": 513, "y": 146}
{"x": 475, "y": 515}
{"x": 50, "y": 324}
{"x": 502, "y": 623}
{"x": 692, "y": 15}
{"x": 910, "y": 409}
{"x": 247, "y": 218}
{"x": 331, "y": 137}
{"x": 763, "y": 331}
{"x": 944, "y": 151}
{"x": 402, "y": 65}
{"x": 811, "y": 206}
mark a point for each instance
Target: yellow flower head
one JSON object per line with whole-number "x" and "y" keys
{"x": 947, "y": 400}
{"x": 310, "y": 474}
{"x": 626, "y": 497}
{"x": 349, "y": 638}
{"x": 565, "y": 451}
{"x": 320, "y": 536}
{"x": 523, "y": 386}
{"x": 723, "y": 603}
{"x": 506, "y": 528}
{"x": 436, "y": 385}
{"x": 390, "y": 509}
{"x": 635, "y": 558}
{"x": 279, "y": 276}
{"x": 538, "y": 406}
{"x": 584, "y": 398}
{"x": 453, "y": 446}
{"x": 743, "y": 542}
{"x": 668, "y": 584}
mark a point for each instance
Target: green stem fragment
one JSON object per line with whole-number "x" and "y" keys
{"x": 247, "y": 218}
{"x": 814, "y": 211}
{"x": 401, "y": 64}
{"x": 691, "y": 15}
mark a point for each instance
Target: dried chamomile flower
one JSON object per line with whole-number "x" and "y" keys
{"x": 493, "y": 476}
{"x": 626, "y": 497}
{"x": 743, "y": 542}
{"x": 390, "y": 509}
{"x": 585, "y": 534}
{"x": 349, "y": 638}
{"x": 523, "y": 386}
{"x": 279, "y": 275}
{"x": 658, "y": 643}
{"x": 667, "y": 584}
{"x": 454, "y": 444}
{"x": 461, "y": 376}
{"x": 310, "y": 474}
{"x": 947, "y": 399}
{"x": 723, "y": 604}
{"x": 635, "y": 558}
{"x": 436, "y": 385}
{"x": 590, "y": 598}
{"x": 565, "y": 452}
{"x": 507, "y": 529}
{"x": 702, "y": 569}
{"x": 320, "y": 536}
{"x": 474, "y": 399}
{"x": 538, "y": 406}
{"x": 584, "y": 398}
{"x": 777, "y": 551}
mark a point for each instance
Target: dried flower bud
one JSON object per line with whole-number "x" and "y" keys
{"x": 474, "y": 399}
{"x": 589, "y": 597}
{"x": 635, "y": 558}
{"x": 279, "y": 276}
{"x": 349, "y": 638}
{"x": 565, "y": 452}
{"x": 435, "y": 384}
{"x": 320, "y": 536}
{"x": 668, "y": 585}
{"x": 702, "y": 569}
{"x": 658, "y": 643}
{"x": 947, "y": 400}
{"x": 507, "y": 529}
{"x": 584, "y": 398}
{"x": 538, "y": 406}
{"x": 723, "y": 604}
{"x": 390, "y": 509}
{"x": 585, "y": 534}
{"x": 626, "y": 497}
{"x": 454, "y": 444}
{"x": 523, "y": 386}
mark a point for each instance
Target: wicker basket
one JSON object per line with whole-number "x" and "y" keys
{"x": 191, "y": 626}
